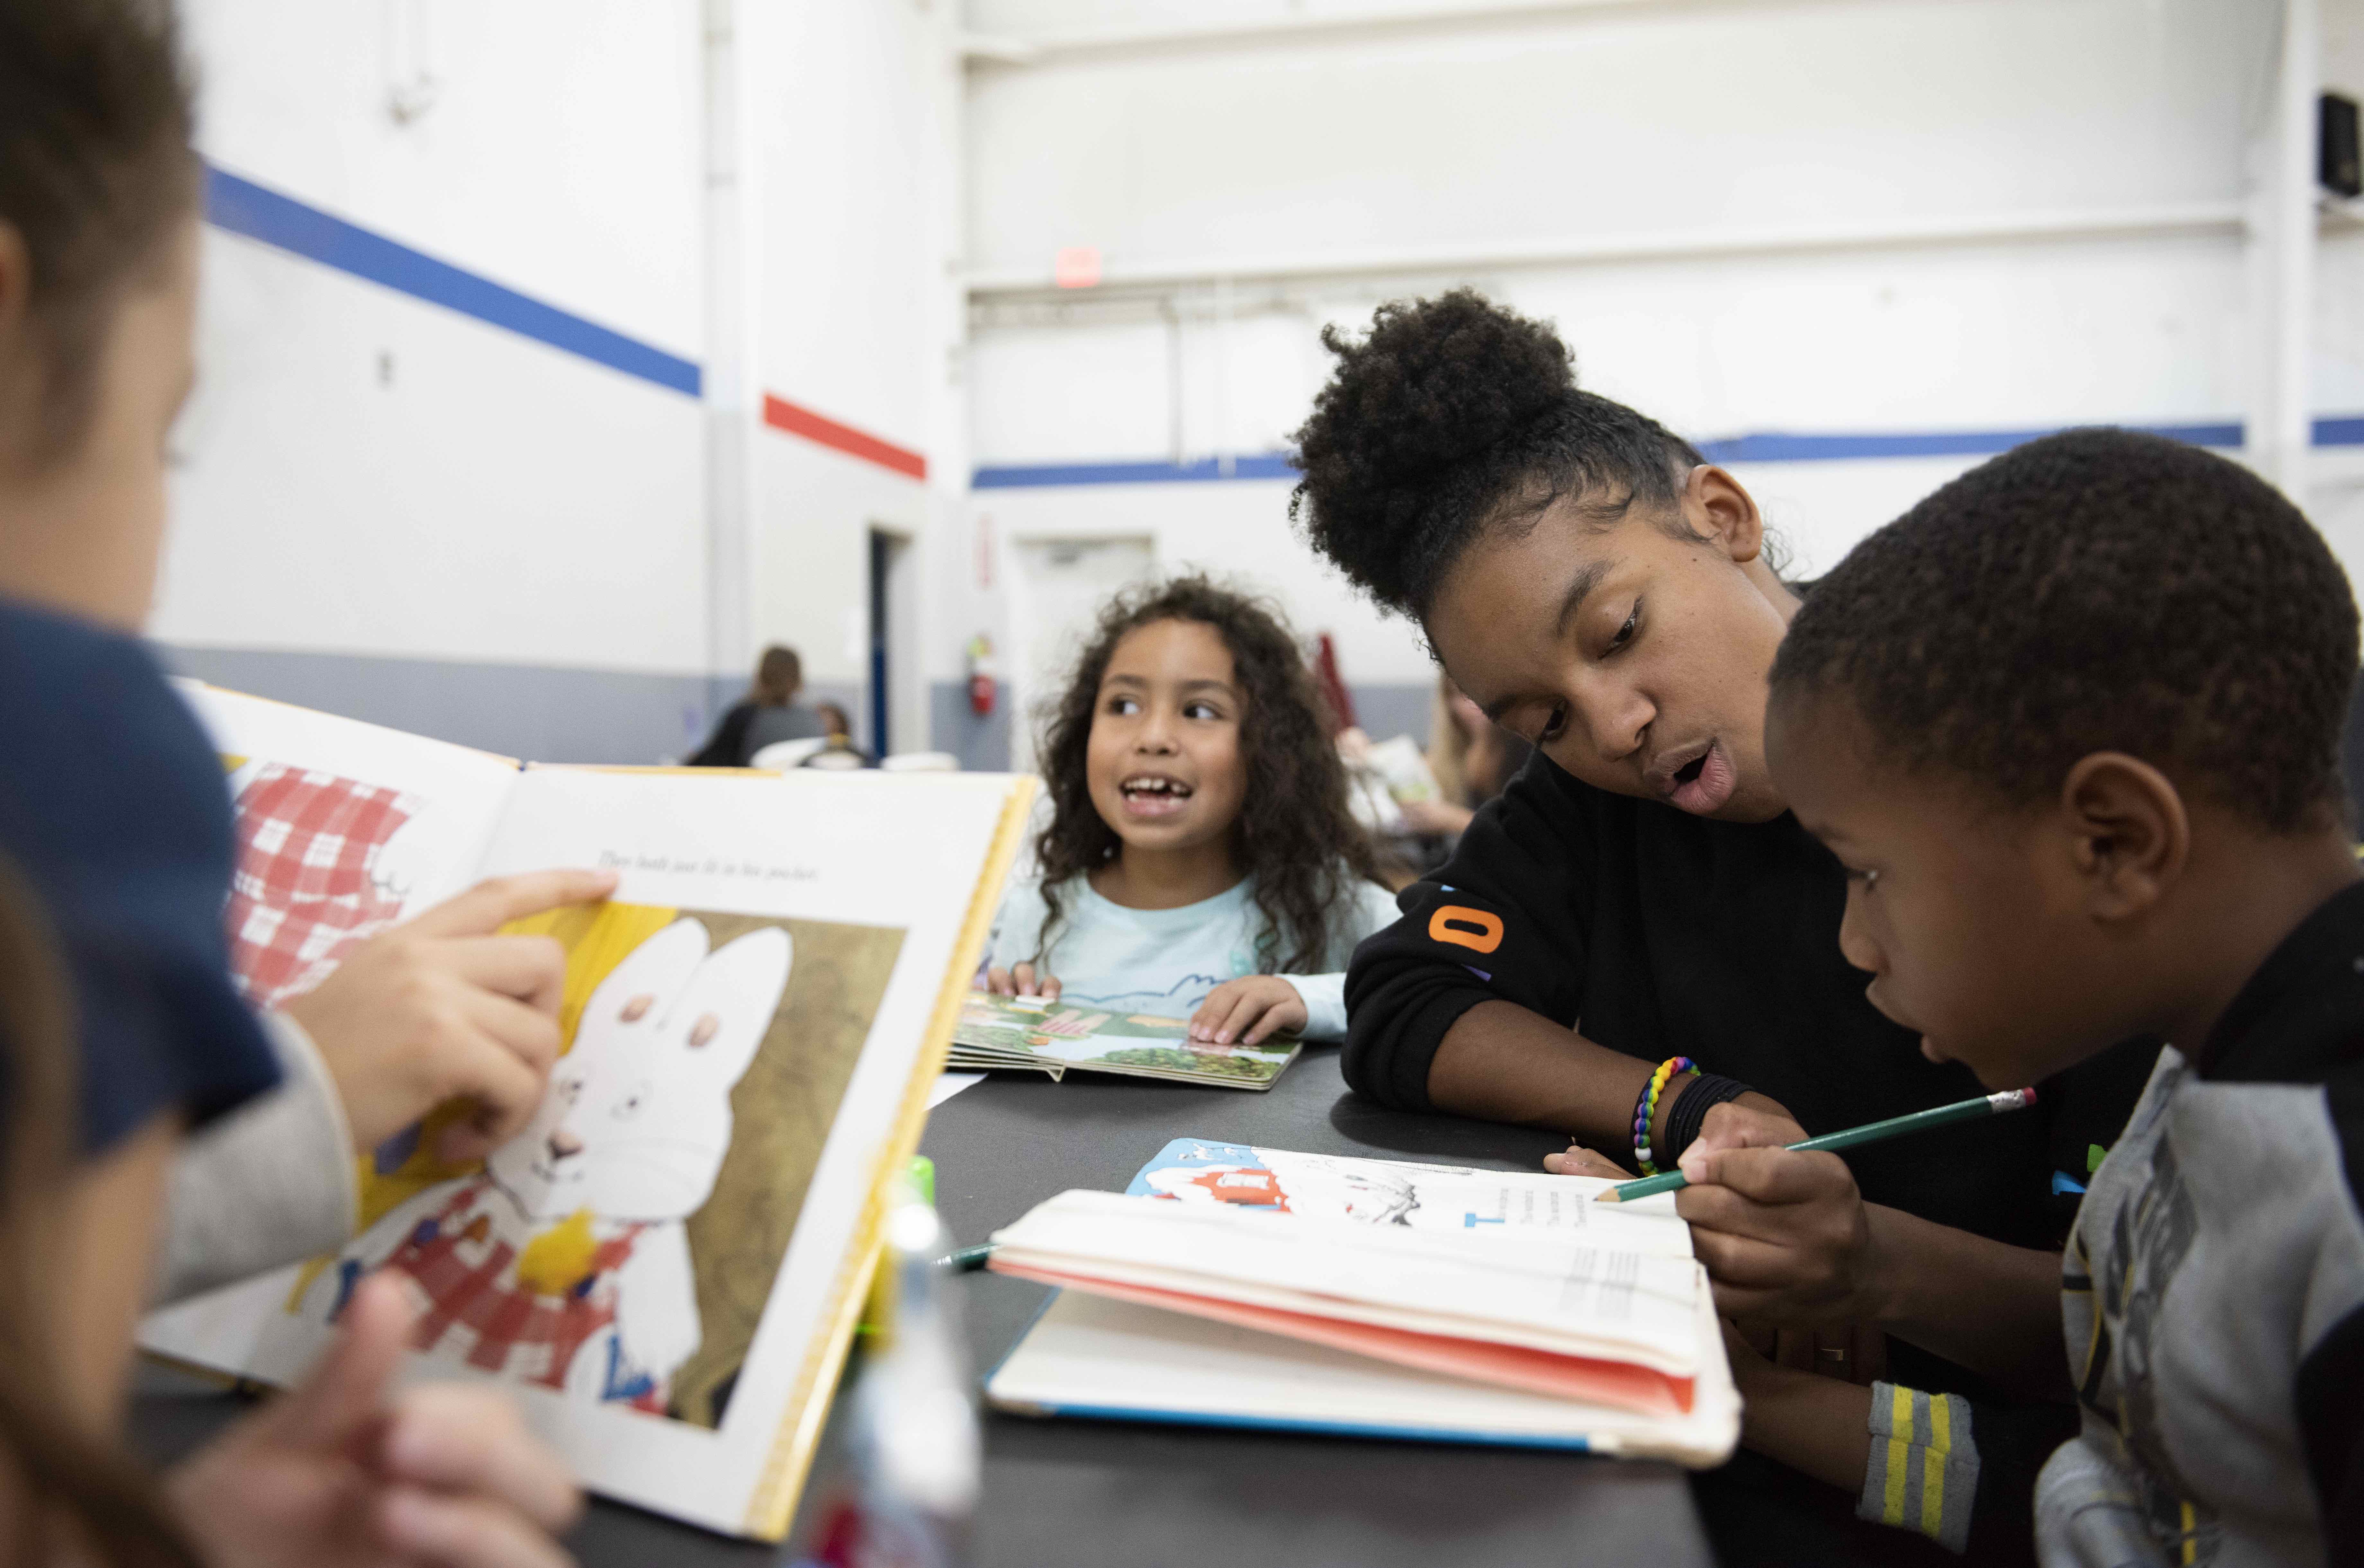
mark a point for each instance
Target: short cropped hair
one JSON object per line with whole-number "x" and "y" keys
{"x": 2098, "y": 590}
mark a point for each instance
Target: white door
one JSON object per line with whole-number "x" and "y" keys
{"x": 1057, "y": 587}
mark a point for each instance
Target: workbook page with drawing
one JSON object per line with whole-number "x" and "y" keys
{"x": 663, "y": 1264}
{"x": 1387, "y": 1192}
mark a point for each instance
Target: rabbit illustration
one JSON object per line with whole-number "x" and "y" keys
{"x": 566, "y": 1262}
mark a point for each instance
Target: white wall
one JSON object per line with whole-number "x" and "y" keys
{"x": 1321, "y": 170}
{"x": 365, "y": 472}
{"x": 851, "y": 246}
{"x": 369, "y": 477}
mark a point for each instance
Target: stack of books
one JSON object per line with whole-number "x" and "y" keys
{"x": 1260, "y": 1288}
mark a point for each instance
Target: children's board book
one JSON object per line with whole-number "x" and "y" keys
{"x": 1231, "y": 1286}
{"x": 665, "y": 1266}
{"x": 1029, "y": 1033}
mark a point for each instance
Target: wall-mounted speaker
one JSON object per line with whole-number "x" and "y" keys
{"x": 2338, "y": 163}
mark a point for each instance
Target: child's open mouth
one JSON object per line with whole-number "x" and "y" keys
{"x": 1153, "y": 795}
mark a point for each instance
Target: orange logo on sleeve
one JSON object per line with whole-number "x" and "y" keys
{"x": 1467, "y": 928}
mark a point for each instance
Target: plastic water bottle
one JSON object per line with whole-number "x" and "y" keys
{"x": 915, "y": 1441}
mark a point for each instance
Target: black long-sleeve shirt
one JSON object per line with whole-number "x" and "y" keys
{"x": 1657, "y": 933}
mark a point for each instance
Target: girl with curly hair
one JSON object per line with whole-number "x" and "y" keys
{"x": 1201, "y": 857}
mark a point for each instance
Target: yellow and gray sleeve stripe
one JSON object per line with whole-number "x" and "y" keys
{"x": 1924, "y": 1473}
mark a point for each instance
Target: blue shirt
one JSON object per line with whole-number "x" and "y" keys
{"x": 114, "y": 807}
{"x": 1164, "y": 962}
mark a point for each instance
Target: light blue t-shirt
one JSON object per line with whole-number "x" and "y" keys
{"x": 1164, "y": 962}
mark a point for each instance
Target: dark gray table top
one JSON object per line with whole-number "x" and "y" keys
{"x": 1097, "y": 1493}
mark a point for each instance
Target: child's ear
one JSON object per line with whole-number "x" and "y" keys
{"x": 1717, "y": 505}
{"x": 2129, "y": 835}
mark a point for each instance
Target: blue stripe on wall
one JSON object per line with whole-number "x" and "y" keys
{"x": 1771, "y": 446}
{"x": 1261, "y": 465}
{"x": 1776, "y": 446}
{"x": 241, "y": 206}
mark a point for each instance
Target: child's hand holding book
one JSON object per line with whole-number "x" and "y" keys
{"x": 1250, "y": 1010}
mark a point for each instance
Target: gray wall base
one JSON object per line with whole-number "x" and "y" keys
{"x": 544, "y": 715}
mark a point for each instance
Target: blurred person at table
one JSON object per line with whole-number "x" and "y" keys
{"x": 767, "y": 715}
{"x": 1472, "y": 758}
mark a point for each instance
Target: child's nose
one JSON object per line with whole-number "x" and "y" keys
{"x": 563, "y": 1143}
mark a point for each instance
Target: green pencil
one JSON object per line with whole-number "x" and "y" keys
{"x": 1871, "y": 1132}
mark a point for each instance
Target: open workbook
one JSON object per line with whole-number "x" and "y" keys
{"x": 1261, "y": 1288}
{"x": 666, "y": 1265}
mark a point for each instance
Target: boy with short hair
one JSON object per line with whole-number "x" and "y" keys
{"x": 2072, "y": 727}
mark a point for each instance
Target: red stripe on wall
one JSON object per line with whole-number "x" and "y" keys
{"x": 783, "y": 415}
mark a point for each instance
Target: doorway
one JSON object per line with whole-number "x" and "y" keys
{"x": 899, "y": 715}
{"x": 1056, "y": 589}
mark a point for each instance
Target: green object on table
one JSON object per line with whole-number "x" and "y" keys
{"x": 1871, "y": 1132}
{"x": 921, "y": 1177}
{"x": 969, "y": 1260}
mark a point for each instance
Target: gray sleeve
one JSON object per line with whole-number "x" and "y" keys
{"x": 269, "y": 1185}
{"x": 1924, "y": 1470}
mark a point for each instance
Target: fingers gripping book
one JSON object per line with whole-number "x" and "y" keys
{"x": 667, "y": 1262}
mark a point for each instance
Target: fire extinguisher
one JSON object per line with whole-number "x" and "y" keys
{"x": 983, "y": 673}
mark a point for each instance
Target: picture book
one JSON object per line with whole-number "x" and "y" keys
{"x": 1034, "y": 1035}
{"x": 665, "y": 1266}
{"x": 1268, "y": 1288}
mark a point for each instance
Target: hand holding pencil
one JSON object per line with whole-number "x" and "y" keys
{"x": 1782, "y": 1230}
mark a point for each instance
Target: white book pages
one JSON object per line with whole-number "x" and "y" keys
{"x": 1203, "y": 1172}
{"x": 1622, "y": 1287}
{"x": 1089, "y": 1356}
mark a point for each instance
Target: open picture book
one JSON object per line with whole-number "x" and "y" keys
{"x": 1262, "y": 1287}
{"x": 1030, "y": 1034}
{"x": 665, "y": 1266}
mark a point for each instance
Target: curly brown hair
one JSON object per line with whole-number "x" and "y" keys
{"x": 1294, "y": 833}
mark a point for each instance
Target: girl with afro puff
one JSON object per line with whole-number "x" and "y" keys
{"x": 1641, "y": 893}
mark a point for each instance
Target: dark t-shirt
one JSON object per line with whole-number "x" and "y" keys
{"x": 750, "y": 726}
{"x": 114, "y": 807}
{"x": 1658, "y": 933}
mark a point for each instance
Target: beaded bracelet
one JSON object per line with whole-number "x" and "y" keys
{"x": 1647, "y": 1107}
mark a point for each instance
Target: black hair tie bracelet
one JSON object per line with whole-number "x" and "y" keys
{"x": 1692, "y": 1107}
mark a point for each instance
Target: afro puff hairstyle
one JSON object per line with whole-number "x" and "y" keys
{"x": 1453, "y": 414}
{"x": 2098, "y": 590}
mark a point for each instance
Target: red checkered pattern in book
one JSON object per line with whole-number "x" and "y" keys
{"x": 301, "y": 896}
{"x": 476, "y": 1306}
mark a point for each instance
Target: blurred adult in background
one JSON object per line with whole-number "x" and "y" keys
{"x": 767, "y": 714}
{"x": 1472, "y": 758}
